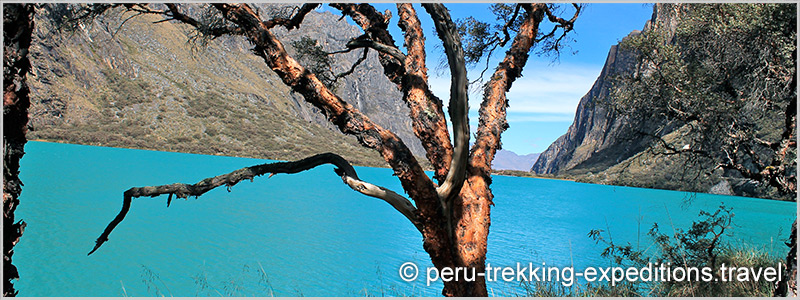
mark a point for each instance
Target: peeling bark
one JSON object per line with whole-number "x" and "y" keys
{"x": 425, "y": 108}
{"x": 347, "y": 118}
{"x": 492, "y": 120}
{"x": 410, "y": 75}
{"x": 473, "y": 206}
{"x": 17, "y": 29}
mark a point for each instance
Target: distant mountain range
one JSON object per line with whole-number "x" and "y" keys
{"x": 508, "y": 160}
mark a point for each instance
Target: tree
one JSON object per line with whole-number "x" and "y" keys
{"x": 17, "y": 29}
{"x": 453, "y": 214}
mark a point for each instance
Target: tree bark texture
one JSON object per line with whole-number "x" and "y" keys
{"x": 17, "y": 29}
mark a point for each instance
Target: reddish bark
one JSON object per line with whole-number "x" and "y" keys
{"x": 426, "y": 111}
{"x": 410, "y": 76}
{"x": 470, "y": 211}
{"x": 17, "y": 29}
{"x": 473, "y": 206}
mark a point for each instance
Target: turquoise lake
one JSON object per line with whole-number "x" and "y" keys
{"x": 308, "y": 234}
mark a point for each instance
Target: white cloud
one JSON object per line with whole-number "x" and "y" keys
{"x": 543, "y": 88}
{"x": 540, "y": 117}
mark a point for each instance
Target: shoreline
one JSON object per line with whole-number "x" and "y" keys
{"x": 508, "y": 173}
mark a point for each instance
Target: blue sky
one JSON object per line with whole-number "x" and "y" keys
{"x": 544, "y": 99}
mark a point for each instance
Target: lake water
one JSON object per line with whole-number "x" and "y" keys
{"x": 308, "y": 234}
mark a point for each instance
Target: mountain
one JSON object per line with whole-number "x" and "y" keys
{"x": 593, "y": 141}
{"x": 687, "y": 104}
{"x": 508, "y": 160}
{"x": 131, "y": 83}
{"x": 599, "y": 136}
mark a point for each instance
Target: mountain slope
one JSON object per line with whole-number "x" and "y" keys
{"x": 146, "y": 85}
{"x": 692, "y": 102}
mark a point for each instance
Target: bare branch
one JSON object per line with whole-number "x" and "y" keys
{"x": 182, "y": 190}
{"x": 294, "y": 21}
{"x": 214, "y": 31}
{"x": 348, "y": 119}
{"x": 375, "y": 27}
{"x": 363, "y": 42}
{"x": 459, "y": 103}
{"x": 176, "y": 14}
{"x": 114, "y": 33}
{"x": 566, "y": 24}
{"x": 506, "y": 36}
{"x": 353, "y": 67}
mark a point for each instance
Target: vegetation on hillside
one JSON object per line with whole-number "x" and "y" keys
{"x": 720, "y": 83}
{"x": 165, "y": 88}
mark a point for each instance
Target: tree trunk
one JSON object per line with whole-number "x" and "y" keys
{"x": 17, "y": 28}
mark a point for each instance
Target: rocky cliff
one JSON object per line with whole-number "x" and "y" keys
{"x": 131, "y": 83}
{"x": 647, "y": 148}
{"x": 599, "y": 137}
{"x": 593, "y": 141}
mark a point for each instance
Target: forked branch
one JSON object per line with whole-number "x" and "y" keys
{"x": 343, "y": 169}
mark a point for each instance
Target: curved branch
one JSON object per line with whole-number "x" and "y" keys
{"x": 348, "y": 119}
{"x": 459, "y": 104}
{"x": 506, "y": 35}
{"x": 567, "y": 24}
{"x": 182, "y": 190}
{"x": 353, "y": 67}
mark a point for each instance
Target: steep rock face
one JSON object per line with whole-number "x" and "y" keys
{"x": 620, "y": 133}
{"x": 154, "y": 86}
{"x": 600, "y": 138}
{"x": 596, "y": 131}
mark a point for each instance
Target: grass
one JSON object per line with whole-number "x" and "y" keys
{"x": 255, "y": 282}
{"x": 750, "y": 258}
